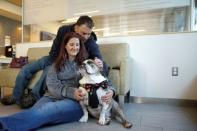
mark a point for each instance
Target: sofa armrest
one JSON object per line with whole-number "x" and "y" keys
{"x": 125, "y": 76}
{"x": 8, "y": 76}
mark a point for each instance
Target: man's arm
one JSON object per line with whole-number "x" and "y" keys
{"x": 93, "y": 49}
{"x": 94, "y": 52}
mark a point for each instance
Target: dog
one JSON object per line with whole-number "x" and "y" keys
{"x": 94, "y": 86}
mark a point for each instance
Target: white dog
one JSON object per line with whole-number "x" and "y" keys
{"x": 94, "y": 86}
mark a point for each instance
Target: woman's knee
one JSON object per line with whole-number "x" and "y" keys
{"x": 24, "y": 73}
{"x": 67, "y": 107}
{"x": 74, "y": 108}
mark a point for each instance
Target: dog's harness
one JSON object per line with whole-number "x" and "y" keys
{"x": 91, "y": 89}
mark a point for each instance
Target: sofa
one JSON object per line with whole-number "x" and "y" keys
{"x": 115, "y": 55}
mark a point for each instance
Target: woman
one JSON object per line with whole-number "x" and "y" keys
{"x": 59, "y": 104}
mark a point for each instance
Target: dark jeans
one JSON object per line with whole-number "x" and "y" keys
{"x": 47, "y": 111}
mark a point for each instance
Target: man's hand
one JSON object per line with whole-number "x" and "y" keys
{"x": 78, "y": 94}
{"x": 98, "y": 62}
{"x": 108, "y": 97}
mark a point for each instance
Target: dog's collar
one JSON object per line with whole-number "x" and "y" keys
{"x": 103, "y": 85}
{"x": 92, "y": 89}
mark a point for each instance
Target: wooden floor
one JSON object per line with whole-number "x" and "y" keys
{"x": 145, "y": 117}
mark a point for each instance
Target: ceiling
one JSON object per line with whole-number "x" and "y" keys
{"x": 16, "y": 2}
{"x": 11, "y": 9}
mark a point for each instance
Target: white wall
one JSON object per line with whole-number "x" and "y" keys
{"x": 154, "y": 56}
{"x": 35, "y": 29}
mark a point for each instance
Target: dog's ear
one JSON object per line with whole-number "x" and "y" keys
{"x": 89, "y": 61}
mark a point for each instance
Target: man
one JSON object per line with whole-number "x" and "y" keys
{"x": 83, "y": 27}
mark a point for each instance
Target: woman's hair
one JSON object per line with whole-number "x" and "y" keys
{"x": 63, "y": 54}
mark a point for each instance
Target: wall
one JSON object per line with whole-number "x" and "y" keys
{"x": 35, "y": 30}
{"x": 153, "y": 58}
{"x": 9, "y": 27}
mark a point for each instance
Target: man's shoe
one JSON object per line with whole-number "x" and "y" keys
{"x": 27, "y": 101}
{"x": 8, "y": 100}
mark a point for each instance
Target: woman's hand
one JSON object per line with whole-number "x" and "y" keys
{"x": 78, "y": 94}
{"x": 108, "y": 97}
{"x": 98, "y": 62}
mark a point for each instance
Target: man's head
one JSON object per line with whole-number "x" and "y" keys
{"x": 84, "y": 26}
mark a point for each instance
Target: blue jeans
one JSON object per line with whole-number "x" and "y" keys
{"x": 47, "y": 111}
{"x": 26, "y": 74}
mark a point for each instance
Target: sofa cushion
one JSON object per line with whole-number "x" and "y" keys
{"x": 114, "y": 53}
{"x": 36, "y": 53}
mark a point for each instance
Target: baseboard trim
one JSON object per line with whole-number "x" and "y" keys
{"x": 176, "y": 102}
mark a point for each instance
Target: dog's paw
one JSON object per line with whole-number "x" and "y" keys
{"x": 102, "y": 121}
{"x": 127, "y": 124}
{"x": 84, "y": 118}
